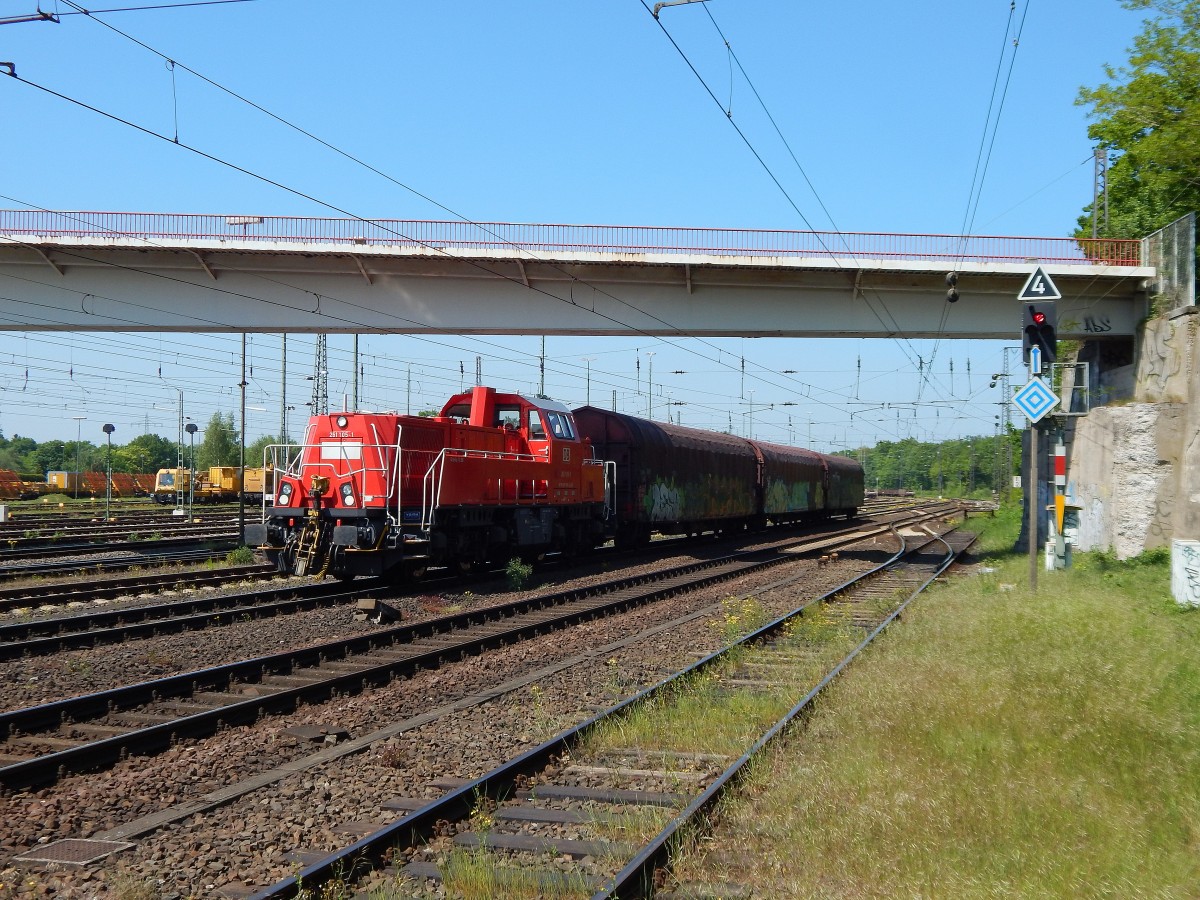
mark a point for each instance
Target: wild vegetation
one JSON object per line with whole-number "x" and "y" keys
{"x": 1147, "y": 116}
{"x": 971, "y": 466}
{"x": 218, "y": 445}
{"x": 997, "y": 743}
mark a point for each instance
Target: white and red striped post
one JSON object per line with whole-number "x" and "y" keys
{"x": 1060, "y": 500}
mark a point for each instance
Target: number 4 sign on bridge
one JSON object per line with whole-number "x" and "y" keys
{"x": 1039, "y": 287}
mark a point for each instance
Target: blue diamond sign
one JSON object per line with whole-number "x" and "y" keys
{"x": 1035, "y": 399}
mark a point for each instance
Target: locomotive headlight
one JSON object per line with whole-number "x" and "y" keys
{"x": 341, "y": 421}
{"x": 347, "y": 494}
{"x": 285, "y": 495}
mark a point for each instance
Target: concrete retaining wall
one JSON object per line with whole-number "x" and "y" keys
{"x": 1135, "y": 468}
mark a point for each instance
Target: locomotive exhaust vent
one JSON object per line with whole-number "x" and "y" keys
{"x": 73, "y": 852}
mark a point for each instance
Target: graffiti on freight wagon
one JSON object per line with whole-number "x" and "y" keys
{"x": 797, "y": 497}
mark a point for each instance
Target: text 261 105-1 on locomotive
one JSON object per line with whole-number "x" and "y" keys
{"x": 499, "y": 475}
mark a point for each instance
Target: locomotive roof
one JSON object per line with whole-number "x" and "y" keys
{"x": 546, "y": 403}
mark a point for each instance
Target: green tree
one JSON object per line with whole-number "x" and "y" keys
{"x": 145, "y": 453}
{"x": 221, "y": 446}
{"x": 1148, "y": 117}
{"x": 254, "y": 452}
{"x": 52, "y": 456}
{"x": 16, "y": 453}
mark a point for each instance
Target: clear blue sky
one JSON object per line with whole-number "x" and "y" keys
{"x": 555, "y": 112}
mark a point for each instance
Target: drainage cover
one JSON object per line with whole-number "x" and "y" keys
{"x": 73, "y": 851}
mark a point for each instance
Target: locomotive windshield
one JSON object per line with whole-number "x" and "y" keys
{"x": 560, "y": 425}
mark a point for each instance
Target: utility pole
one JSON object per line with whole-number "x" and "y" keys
{"x": 242, "y": 447}
{"x": 588, "y": 362}
{"x": 320, "y": 395}
{"x": 355, "y": 388}
{"x": 1099, "y": 189}
{"x": 283, "y": 416}
{"x": 650, "y": 384}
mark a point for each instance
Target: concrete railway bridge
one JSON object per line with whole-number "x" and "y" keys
{"x": 90, "y": 271}
{"x": 120, "y": 271}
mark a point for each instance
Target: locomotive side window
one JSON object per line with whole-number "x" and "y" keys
{"x": 536, "y": 431}
{"x": 509, "y": 416}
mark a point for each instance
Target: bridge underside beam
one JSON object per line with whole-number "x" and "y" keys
{"x": 98, "y": 288}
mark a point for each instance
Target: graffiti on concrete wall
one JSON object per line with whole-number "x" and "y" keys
{"x": 1163, "y": 357}
{"x": 1185, "y": 572}
{"x": 1161, "y": 526}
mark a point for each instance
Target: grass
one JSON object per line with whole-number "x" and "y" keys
{"x": 997, "y": 744}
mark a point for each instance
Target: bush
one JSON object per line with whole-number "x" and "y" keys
{"x": 518, "y": 573}
{"x": 239, "y": 556}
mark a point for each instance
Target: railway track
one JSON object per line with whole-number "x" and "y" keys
{"x": 95, "y": 730}
{"x": 129, "y": 560}
{"x": 78, "y": 593}
{"x": 521, "y": 822}
{"x": 41, "y": 595}
{"x": 90, "y": 629}
{"x": 16, "y": 545}
{"x": 182, "y": 537}
{"x": 22, "y": 518}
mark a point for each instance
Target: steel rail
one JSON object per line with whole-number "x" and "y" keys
{"x": 97, "y": 754}
{"x": 635, "y": 880}
{"x": 66, "y": 592}
{"x": 113, "y": 626}
{"x": 97, "y": 565}
{"x": 420, "y": 825}
{"x": 60, "y": 549}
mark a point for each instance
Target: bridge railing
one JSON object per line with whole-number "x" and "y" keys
{"x": 540, "y": 239}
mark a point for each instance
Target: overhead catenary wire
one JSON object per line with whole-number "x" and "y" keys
{"x": 297, "y": 192}
{"x": 360, "y": 162}
{"x": 256, "y": 106}
{"x": 785, "y": 387}
{"x": 894, "y": 327}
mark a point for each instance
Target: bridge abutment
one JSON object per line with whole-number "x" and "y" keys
{"x": 1134, "y": 463}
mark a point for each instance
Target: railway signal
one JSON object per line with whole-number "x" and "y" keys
{"x": 1039, "y": 326}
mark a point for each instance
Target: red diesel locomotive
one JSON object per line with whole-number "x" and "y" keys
{"x": 492, "y": 476}
{"x": 499, "y": 475}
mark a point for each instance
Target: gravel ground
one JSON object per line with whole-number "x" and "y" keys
{"x": 36, "y": 680}
{"x": 426, "y": 727}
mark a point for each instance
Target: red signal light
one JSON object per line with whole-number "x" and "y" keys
{"x": 1039, "y": 317}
